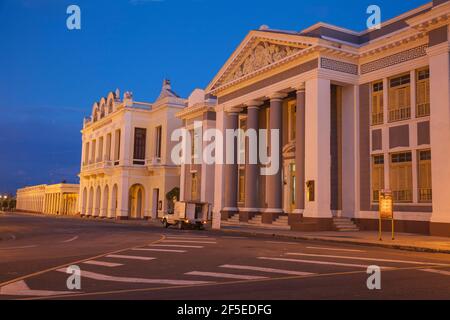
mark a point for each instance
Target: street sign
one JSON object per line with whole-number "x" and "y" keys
{"x": 386, "y": 210}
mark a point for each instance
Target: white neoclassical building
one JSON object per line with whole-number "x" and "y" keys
{"x": 57, "y": 199}
{"x": 358, "y": 112}
{"x": 126, "y": 168}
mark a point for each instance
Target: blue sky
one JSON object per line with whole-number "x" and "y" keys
{"x": 50, "y": 76}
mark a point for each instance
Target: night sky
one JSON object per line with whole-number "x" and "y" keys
{"x": 50, "y": 76}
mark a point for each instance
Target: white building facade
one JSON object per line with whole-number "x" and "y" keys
{"x": 126, "y": 168}
{"x": 358, "y": 112}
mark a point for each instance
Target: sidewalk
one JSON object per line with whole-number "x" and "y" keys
{"x": 403, "y": 241}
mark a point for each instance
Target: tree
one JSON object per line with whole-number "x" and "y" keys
{"x": 172, "y": 196}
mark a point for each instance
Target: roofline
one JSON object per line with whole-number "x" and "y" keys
{"x": 366, "y": 31}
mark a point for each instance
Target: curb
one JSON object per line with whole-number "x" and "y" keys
{"x": 321, "y": 239}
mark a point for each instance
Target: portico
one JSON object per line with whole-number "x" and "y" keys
{"x": 297, "y": 95}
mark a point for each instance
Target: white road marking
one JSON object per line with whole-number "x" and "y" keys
{"x": 365, "y": 259}
{"x": 189, "y": 241}
{"x": 270, "y": 270}
{"x": 119, "y": 256}
{"x": 175, "y": 246}
{"x": 70, "y": 240}
{"x": 443, "y": 272}
{"x": 159, "y": 250}
{"x": 281, "y": 242}
{"x": 186, "y": 238}
{"x": 335, "y": 249}
{"x": 23, "y": 247}
{"x": 104, "y": 277}
{"x": 322, "y": 262}
{"x": 20, "y": 288}
{"x": 103, "y": 263}
{"x": 224, "y": 275}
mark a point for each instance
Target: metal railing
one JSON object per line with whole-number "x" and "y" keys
{"x": 400, "y": 114}
{"x": 423, "y": 110}
{"x": 425, "y": 195}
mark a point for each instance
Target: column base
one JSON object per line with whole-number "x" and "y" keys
{"x": 307, "y": 224}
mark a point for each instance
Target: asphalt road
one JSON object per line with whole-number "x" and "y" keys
{"x": 119, "y": 261}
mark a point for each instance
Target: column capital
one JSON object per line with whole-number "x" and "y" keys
{"x": 234, "y": 109}
{"x": 277, "y": 96}
{"x": 300, "y": 88}
{"x": 254, "y": 103}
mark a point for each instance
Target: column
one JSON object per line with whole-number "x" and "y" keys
{"x": 300, "y": 151}
{"x": 251, "y": 168}
{"x": 318, "y": 159}
{"x": 440, "y": 136}
{"x": 122, "y": 199}
{"x": 126, "y": 141}
{"x": 231, "y": 166}
{"x": 275, "y": 182}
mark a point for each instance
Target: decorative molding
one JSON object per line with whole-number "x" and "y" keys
{"x": 394, "y": 59}
{"x": 339, "y": 66}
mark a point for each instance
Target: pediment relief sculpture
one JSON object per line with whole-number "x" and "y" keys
{"x": 261, "y": 56}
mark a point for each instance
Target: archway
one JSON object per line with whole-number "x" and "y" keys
{"x": 91, "y": 201}
{"x": 98, "y": 201}
{"x": 84, "y": 203}
{"x": 104, "y": 210}
{"x": 113, "y": 202}
{"x": 136, "y": 202}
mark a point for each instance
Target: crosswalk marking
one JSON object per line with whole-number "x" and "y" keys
{"x": 188, "y": 238}
{"x": 224, "y": 275}
{"x": 365, "y": 259}
{"x": 20, "y": 288}
{"x": 322, "y": 262}
{"x": 335, "y": 249}
{"x": 282, "y": 242}
{"x": 119, "y": 256}
{"x": 159, "y": 250}
{"x": 189, "y": 241}
{"x": 103, "y": 263}
{"x": 443, "y": 272}
{"x": 104, "y": 277}
{"x": 175, "y": 246}
{"x": 270, "y": 270}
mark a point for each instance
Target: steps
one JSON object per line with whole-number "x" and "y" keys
{"x": 344, "y": 225}
{"x": 256, "y": 222}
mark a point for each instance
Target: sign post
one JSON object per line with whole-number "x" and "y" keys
{"x": 386, "y": 211}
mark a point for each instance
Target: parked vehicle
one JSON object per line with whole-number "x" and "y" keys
{"x": 188, "y": 214}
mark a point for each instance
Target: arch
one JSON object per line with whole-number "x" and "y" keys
{"x": 110, "y": 102}
{"x": 104, "y": 210}
{"x": 114, "y": 202}
{"x": 98, "y": 201}
{"x": 136, "y": 200}
{"x": 91, "y": 201}
{"x": 95, "y": 112}
{"x": 102, "y": 108}
{"x": 84, "y": 201}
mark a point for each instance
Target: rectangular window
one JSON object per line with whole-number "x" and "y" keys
{"x": 292, "y": 120}
{"x": 86, "y": 153}
{"x": 194, "y": 186}
{"x": 377, "y": 176}
{"x": 241, "y": 140}
{"x": 93, "y": 147}
{"x": 401, "y": 176}
{"x": 158, "y": 142}
{"x": 400, "y": 98}
{"x": 377, "y": 103}
{"x": 423, "y": 93}
{"x": 241, "y": 186}
{"x": 117, "y": 148}
{"x": 425, "y": 188}
{"x": 140, "y": 136}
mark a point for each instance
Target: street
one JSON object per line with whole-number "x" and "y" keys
{"x": 132, "y": 261}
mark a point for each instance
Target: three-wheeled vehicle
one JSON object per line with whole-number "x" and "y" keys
{"x": 188, "y": 214}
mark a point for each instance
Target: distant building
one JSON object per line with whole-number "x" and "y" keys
{"x": 126, "y": 168}
{"x": 60, "y": 199}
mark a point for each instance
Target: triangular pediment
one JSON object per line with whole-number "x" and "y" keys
{"x": 258, "y": 52}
